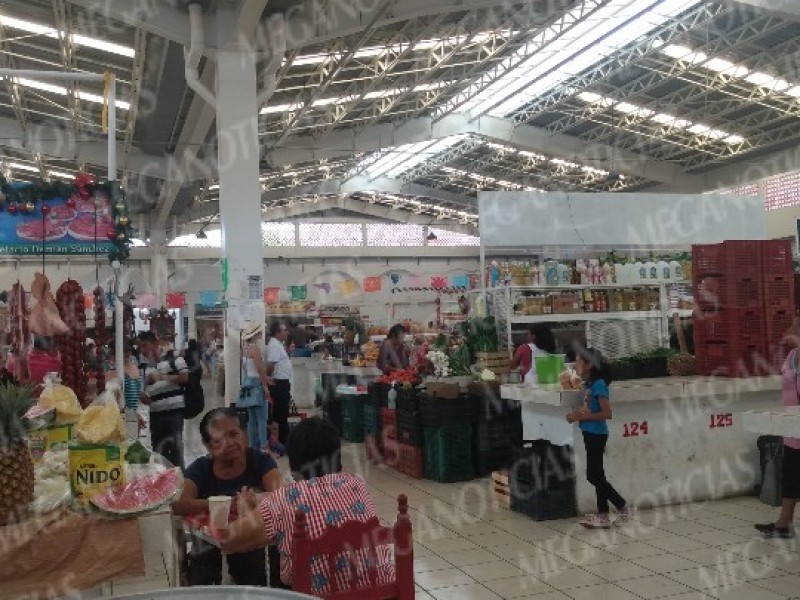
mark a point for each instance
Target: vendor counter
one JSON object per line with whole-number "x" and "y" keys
{"x": 672, "y": 440}
{"x": 330, "y": 373}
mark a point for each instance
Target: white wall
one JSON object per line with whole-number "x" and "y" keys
{"x": 781, "y": 222}
{"x": 195, "y": 276}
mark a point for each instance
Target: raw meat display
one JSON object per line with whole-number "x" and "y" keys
{"x": 45, "y": 319}
{"x": 18, "y": 320}
{"x": 141, "y": 494}
{"x": 83, "y": 228}
{"x": 87, "y": 205}
{"x": 63, "y": 213}
{"x": 72, "y": 346}
{"x": 41, "y": 231}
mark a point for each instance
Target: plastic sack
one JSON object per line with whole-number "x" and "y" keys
{"x": 62, "y": 399}
{"x": 101, "y": 422}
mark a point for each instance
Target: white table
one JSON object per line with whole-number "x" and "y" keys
{"x": 672, "y": 440}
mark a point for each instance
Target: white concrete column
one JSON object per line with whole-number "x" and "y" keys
{"x": 191, "y": 315}
{"x": 159, "y": 266}
{"x": 239, "y": 195}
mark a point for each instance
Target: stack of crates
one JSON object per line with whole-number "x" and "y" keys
{"x": 778, "y": 276}
{"x": 498, "y": 429}
{"x": 542, "y": 482}
{"x": 408, "y": 432}
{"x": 374, "y": 403}
{"x": 447, "y": 430}
{"x": 743, "y": 296}
{"x": 353, "y": 399}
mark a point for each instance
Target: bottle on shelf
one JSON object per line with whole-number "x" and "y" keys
{"x": 564, "y": 277}
{"x": 652, "y": 271}
{"x": 641, "y": 272}
{"x": 677, "y": 270}
{"x": 551, "y": 273}
{"x": 664, "y": 271}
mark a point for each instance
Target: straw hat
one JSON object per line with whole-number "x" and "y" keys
{"x": 252, "y": 329}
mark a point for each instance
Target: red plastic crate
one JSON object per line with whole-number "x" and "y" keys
{"x": 776, "y": 257}
{"x": 743, "y": 256}
{"x": 778, "y": 291}
{"x": 389, "y": 423}
{"x": 708, "y": 259}
{"x": 739, "y": 325}
{"x": 777, "y": 323}
{"x": 411, "y": 461}
{"x": 716, "y": 292}
{"x": 727, "y": 359}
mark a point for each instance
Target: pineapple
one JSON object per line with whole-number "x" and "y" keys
{"x": 16, "y": 464}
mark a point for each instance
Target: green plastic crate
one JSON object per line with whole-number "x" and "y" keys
{"x": 372, "y": 420}
{"x": 448, "y": 453}
{"x": 353, "y": 417}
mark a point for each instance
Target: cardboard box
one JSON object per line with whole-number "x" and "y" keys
{"x": 438, "y": 389}
{"x": 41, "y": 440}
{"x": 93, "y": 468}
{"x": 566, "y": 304}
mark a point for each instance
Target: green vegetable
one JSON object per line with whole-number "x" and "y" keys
{"x": 137, "y": 454}
{"x": 481, "y": 334}
{"x": 460, "y": 361}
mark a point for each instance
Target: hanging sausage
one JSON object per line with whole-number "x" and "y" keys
{"x": 100, "y": 336}
{"x": 72, "y": 346}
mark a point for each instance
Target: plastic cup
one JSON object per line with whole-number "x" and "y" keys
{"x": 219, "y": 509}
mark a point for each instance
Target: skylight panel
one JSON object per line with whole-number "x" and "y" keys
{"x": 61, "y": 174}
{"x": 23, "y": 167}
{"x": 53, "y": 33}
{"x": 572, "y": 51}
{"x": 62, "y": 91}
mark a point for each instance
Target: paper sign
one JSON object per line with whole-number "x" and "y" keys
{"x": 372, "y": 284}
{"x": 298, "y": 292}
{"x": 145, "y": 301}
{"x": 473, "y": 281}
{"x": 438, "y": 282}
{"x": 255, "y": 287}
{"x": 208, "y": 299}
{"x": 272, "y": 295}
{"x": 88, "y": 301}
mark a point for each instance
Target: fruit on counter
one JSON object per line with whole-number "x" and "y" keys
{"x": 141, "y": 494}
{"x": 377, "y": 330}
{"x": 39, "y": 417}
{"x": 100, "y": 424}
{"x": 370, "y": 351}
{"x": 16, "y": 462}
{"x": 63, "y": 400}
{"x": 570, "y": 380}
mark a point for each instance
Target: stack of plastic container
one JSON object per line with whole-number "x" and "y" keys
{"x": 743, "y": 305}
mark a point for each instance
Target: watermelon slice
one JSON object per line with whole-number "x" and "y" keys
{"x": 140, "y": 495}
{"x": 83, "y": 228}
{"x": 62, "y": 212}
{"x": 41, "y": 231}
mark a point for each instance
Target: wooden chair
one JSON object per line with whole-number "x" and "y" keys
{"x": 348, "y": 538}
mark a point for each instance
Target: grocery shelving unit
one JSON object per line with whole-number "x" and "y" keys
{"x": 615, "y": 333}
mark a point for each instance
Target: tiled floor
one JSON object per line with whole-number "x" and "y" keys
{"x": 467, "y": 547}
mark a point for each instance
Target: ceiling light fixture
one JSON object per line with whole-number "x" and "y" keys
{"x": 80, "y": 40}
{"x": 62, "y": 91}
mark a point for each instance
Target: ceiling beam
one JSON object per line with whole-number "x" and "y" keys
{"x": 315, "y": 22}
{"x": 339, "y": 143}
{"x": 788, "y": 9}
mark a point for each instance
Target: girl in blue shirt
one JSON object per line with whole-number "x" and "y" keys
{"x": 591, "y": 419}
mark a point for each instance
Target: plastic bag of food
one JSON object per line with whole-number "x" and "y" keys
{"x": 60, "y": 397}
{"x": 101, "y": 422}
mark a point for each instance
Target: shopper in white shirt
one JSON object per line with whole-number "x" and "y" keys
{"x": 279, "y": 368}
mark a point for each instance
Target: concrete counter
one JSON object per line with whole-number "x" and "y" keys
{"x": 672, "y": 440}
{"x": 783, "y": 422}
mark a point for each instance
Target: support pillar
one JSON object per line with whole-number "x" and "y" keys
{"x": 159, "y": 266}
{"x": 239, "y": 199}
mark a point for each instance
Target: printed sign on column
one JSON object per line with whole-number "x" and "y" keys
{"x": 176, "y": 300}
{"x": 255, "y": 287}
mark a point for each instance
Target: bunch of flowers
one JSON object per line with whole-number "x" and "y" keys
{"x": 440, "y": 362}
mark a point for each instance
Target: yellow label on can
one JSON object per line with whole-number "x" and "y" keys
{"x": 41, "y": 440}
{"x": 93, "y": 468}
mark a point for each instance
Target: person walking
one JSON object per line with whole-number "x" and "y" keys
{"x": 790, "y": 475}
{"x": 279, "y": 368}
{"x": 164, "y": 375}
{"x": 592, "y": 419}
{"x": 253, "y": 394}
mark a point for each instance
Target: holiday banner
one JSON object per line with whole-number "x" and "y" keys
{"x": 348, "y": 288}
{"x": 298, "y": 292}
{"x": 372, "y": 284}
{"x": 176, "y": 300}
{"x": 145, "y": 301}
{"x": 473, "y": 281}
{"x": 459, "y": 281}
{"x": 323, "y": 287}
{"x": 272, "y": 295}
{"x": 438, "y": 282}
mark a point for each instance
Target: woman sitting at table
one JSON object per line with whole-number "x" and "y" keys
{"x": 229, "y": 467}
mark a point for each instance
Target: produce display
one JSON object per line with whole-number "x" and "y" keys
{"x": 408, "y": 376}
{"x": 100, "y": 335}
{"x": 63, "y": 400}
{"x": 101, "y": 422}
{"x": 72, "y": 346}
{"x": 51, "y": 482}
{"x": 369, "y": 357}
{"x": 16, "y": 463}
{"x": 141, "y": 494}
